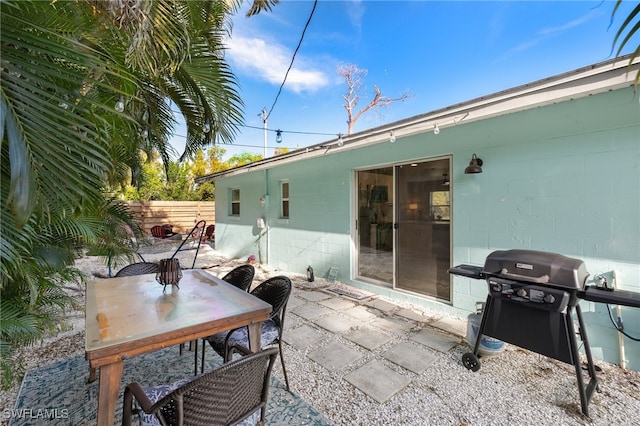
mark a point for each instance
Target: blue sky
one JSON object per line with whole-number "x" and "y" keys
{"x": 441, "y": 52}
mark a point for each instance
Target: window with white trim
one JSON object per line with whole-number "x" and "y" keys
{"x": 284, "y": 200}
{"x": 234, "y": 205}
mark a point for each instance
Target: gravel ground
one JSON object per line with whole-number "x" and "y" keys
{"x": 518, "y": 387}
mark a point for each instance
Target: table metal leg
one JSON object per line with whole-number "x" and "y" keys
{"x": 254, "y": 336}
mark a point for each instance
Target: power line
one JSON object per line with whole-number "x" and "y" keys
{"x": 288, "y": 131}
{"x": 293, "y": 58}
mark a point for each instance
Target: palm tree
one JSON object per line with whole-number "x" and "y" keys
{"x": 631, "y": 29}
{"x": 86, "y": 85}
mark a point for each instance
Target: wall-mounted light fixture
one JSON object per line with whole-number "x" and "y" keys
{"x": 278, "y": 136}
{"x": 413, "y": 206}
{"x": 392, "y": 137}
{"x": 436, "y": 129}
{"x": 475, "y": 165}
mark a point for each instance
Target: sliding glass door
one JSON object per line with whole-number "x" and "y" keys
{"x": 375, "y": 225}
{"x": 403, "y": 224}
{"x": 423, "y": 228}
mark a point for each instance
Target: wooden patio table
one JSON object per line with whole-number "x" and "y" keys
{"x": 130, "y": 316}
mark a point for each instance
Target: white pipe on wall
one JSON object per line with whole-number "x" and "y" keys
{"x": 623, "y": 360}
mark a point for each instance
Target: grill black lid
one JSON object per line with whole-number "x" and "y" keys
{"x": 537, "y": 267}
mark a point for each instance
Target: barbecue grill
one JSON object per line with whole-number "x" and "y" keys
{"x": 531, "y": 300}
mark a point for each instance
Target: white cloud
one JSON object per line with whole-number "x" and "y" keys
{"x": 269, "y": 62}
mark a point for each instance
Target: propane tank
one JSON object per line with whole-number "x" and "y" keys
{"x": 310, "y": 276}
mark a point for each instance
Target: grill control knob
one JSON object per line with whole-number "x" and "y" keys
{"x": 549, "y": 298}
{"x": 521, "y": 292}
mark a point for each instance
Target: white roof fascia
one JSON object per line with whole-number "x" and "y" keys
{"x": 594, "y": 79}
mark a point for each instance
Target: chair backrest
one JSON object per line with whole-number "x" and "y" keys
{"x": 208, "y": 233}
{"x": 192, "y": 241}
{"x": 158, "y": 231}
{"x": 241, "y": 277}
{"x": 276, "y": 292}
{"x": 223, "y": 396}
{"x": 140, "y": 268}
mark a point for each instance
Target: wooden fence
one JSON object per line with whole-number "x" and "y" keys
{"x": 181, "y": 214}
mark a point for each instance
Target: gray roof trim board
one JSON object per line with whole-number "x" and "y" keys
{"x": 586, "y": 81}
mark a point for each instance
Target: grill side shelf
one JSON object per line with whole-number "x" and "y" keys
{"x": 469, "y": 271}
{"x": 614, "y": 297}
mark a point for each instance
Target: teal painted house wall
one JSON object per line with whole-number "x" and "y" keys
{"x": 563, "y": 178}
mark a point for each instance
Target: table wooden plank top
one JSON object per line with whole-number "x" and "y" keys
{"x": 134, "y": 311}
{"x": 129, "y": 316}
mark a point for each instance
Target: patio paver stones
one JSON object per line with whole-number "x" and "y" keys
{"x": 410, "y": 356}
{"x": 337, "y": 303}
{"x": 382, "y": 305}
{"x": 302, "y": 336}
{"x": 295, "y": 301}
{"x": 393, "y": 325}
{"x": 362, "y": 313}
{"x": 368, "y": 338}
{"x": 310, "y": 311}
{"x": 451, "y": 325}
{"x": 335, "y": 356}
{"x": 412, "y": 315}
{"x": 337, "y": 323}
{"x": 314, "y": 296}
{"x": 435, "y": 340}
{"x": 377, "y": 380}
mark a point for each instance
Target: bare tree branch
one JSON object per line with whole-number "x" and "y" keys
{"x": 354, "y": 78}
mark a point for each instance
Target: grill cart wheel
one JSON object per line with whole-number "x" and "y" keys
{"x": 471, "y": 362}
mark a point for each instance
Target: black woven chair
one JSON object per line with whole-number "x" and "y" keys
{"x": 275, "y": 291}
{"x": 139, "y": 268}
{"x": 241, "y": 277}
{"x": 223, "y": 396}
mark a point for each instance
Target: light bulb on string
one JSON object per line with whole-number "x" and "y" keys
{"x": 340, "y": 141}
{"x": 145, "y": 133}
{"x": 206, "y": 127}
{"x": 436, "y": 129}
{"x": 119, "y": 107}
{"x": 392, "y": 137}
{"x": 278, "y": 136}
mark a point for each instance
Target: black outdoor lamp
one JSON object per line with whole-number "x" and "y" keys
{"x": 475, "y": 166}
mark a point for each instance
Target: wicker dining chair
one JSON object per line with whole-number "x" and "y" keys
{"x": 241, "y": 277}
{"x": 226, "y": 395}
{"x": 275, "y": 291}
{"x": 139, "y": 268}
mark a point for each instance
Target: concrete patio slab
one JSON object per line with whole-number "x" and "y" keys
{"x": 451, "y": 325}
{"x": 377, "y": 381}
{"x": 295, "y": 301}
{"x": 310, "y": 311}
{"x": 382, "y": 305}
{"x": 302, "y": 336}
{"x": 335, "y": 356}
{"x": 436, "y": 340}
{"x": 337, "y": 323}
{"x": 393, "y": 325}
{"x": 362, "y": 313}
{"x": 410, "y": 356}
{"x": 368, "y": 338}
{"x": 314, "y": 296}
{"x": 412, "y": 315}
{"x": 337, "y": 303}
